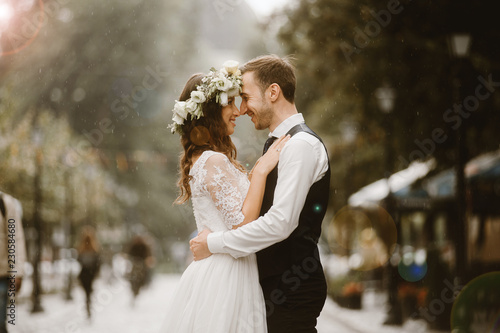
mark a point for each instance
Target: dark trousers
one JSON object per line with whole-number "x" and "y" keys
{"x": 86, "y": 282}
{"x": 294, "y": 301}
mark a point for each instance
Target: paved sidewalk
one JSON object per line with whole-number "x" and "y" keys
{"x": 113, "y": 312}
{"x": 369, "y": 319}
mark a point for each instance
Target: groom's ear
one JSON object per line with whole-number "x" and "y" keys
{"x": 274, "y": 92}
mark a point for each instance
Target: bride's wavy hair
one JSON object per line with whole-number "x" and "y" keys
{"x": 207, "y": 133}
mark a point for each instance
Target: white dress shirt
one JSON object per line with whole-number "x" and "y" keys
{"x": 303, "y": 161}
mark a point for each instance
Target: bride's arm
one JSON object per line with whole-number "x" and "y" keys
{"x": 253, "y": 200}
{"x": 258, "y": 175}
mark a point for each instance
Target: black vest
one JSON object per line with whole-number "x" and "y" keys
{"x": 302, "y": 243}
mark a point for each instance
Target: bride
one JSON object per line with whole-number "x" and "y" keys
{"x": 219, "y": 294}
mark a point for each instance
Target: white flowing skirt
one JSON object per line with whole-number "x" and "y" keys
{"x": 219, "y": 294}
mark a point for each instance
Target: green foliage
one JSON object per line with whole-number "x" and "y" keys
{"x": 345, "y": 50}
{"x": 104, "y": 68}
{"x": 69, "y": 182}
{"x": 101, "y": 78}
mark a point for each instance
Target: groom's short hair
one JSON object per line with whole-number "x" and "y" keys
{"x": 269, "y": 69}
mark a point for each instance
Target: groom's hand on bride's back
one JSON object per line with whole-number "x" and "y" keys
{"x": 199, "y": 246}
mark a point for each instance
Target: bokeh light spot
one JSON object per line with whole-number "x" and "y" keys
{"x": 79, "y": 95}
{"x": 317, "y": 208}
{"x": 16, "y": 35}
{"x": 412, "y": 272}
{"x": 65, "y": 15}
{"x": 200, "y": 135}
{"x": 477, "y": 307}
{"x": 56, "y": 95}
{"x": 369, "y": 234}
{"x": 343, "y": 227}
{"x": 5, "y": 12}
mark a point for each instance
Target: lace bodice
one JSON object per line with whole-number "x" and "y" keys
{"x": 218, "y": 190}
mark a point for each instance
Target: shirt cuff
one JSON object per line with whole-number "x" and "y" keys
{"x": 215, "y": 242}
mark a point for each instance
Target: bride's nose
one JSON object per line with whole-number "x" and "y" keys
{"x": 236, "y": 112}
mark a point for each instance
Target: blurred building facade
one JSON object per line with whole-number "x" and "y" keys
{"x": 424, "y": 210}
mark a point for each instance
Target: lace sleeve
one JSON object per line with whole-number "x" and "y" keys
{"x": 221, "y": 181}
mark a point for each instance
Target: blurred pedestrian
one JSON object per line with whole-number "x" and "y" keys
{"x": 89, "y": 259}
{"x": 12, "y": 258}
{"x": 142, "y": 260}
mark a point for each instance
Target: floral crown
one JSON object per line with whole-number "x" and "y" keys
{"x": 221, "y": 84}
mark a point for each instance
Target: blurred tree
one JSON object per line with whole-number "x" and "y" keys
{"x": 345, "y": 50}
{"x": 113, "y": 70}
{"x": 105, "y": 67}
{"x": 18, "y": 150}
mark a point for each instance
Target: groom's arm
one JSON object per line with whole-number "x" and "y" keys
{"x": 302, "y": 162}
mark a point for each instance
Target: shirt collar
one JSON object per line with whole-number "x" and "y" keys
{"x": 287, "y": 124}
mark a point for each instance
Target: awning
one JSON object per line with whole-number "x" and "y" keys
{"x": 374, "y": 193}
{"x": 415, "y": 187}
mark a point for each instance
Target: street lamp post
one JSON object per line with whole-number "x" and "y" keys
{"x": 459, "y": 48}
{"x": 37, "y": 221}
{"x": 90, "y": 174}
{"x": 385, "y": 97}
{"x": 348, "y": 133}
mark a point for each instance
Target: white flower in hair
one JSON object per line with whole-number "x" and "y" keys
{"x": 231, "y": 66}
{"x": 191, "y": 106}
{"x": 180, "y": 109}
{"x": 223, "y": 99}
{"x": 178, "y": 120}
{"x": 216, "y": 86}
{"x": 198, "y": 113}
{"x": 198, "y": 96}
{"x": 223, "y": 84}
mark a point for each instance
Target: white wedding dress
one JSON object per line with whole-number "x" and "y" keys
{"x": 218, "y": 294}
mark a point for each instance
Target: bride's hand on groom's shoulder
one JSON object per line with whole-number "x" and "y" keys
{"x": 199, "y": 246}
{"x": 268, "y": 161}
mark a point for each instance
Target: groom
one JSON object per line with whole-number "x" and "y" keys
{"x": 285, "y": 237}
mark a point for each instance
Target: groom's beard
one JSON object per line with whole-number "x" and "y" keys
{"x": 265, "y": 117}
